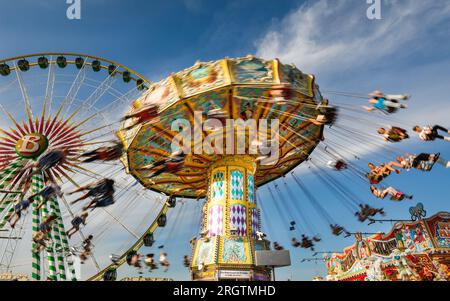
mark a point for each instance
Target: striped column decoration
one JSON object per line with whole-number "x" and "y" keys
{"x": 50, "y": 253}
{"x": 6, "y": 176}
{"x": 36, "y": 182}
{"x": 65, "y": 242}
{"x": 12, "y": 199}
{"x": 9, "y": 203}
{"x": 58, "y": 243}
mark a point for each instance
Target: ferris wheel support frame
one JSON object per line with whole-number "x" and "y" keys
{"x": 135, "y": 247}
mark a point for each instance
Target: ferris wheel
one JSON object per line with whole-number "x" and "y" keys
{"x": 69, "y": 102}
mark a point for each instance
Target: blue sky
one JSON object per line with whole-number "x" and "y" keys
{"x": 406, "y": 51}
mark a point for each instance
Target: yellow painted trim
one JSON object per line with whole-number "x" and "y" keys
{"x": 311, "y": 81}
{"x": 173, "y": 79}
{"x": 227, "y": 206}
{"x": 276, "y": 71}
{"x": 242, "y": 161}
{"x": 230, "y": 71}
{"x": 247, "y": 208}
{"x": 225, "y": 63}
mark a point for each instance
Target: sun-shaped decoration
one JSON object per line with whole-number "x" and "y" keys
{"x": 27, "y": 141}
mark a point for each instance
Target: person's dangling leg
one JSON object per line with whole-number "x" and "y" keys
{"x": 436, "y": 134}
{"x": 11, "y": 218}
{"x": 390, "y": 190}
{"x": 388, "y": 169}
{"x": 440, "y": 128}
{"x": 70, "y": 232}
{"x": 14, "y": 219}
{"x": 77, "y": 190}
{"x": 90, "y": 205}
{"x": 443, "y": 162}
{"x": 393, "y": 104}
{"x": 396, "y": 164}
{"x": 398, "y": 97}
{"x": 383, "y": 194}
{"x": 85, "y": 196}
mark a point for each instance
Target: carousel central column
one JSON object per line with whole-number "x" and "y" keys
{"x": 231, "y": 220}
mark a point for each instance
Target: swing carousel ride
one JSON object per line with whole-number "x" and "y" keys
{"x": 413, "y": 250}
{"x": 213, "y": 133}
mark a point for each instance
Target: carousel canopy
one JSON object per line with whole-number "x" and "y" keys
{"x": 240, "y": 88}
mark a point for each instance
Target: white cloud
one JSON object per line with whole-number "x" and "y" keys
{"x": 334, "y": 35}
{"x": 337, "y": 42}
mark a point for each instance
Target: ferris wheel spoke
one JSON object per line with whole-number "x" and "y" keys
{"x": 91, "y": 131}
{"x": 96, "y": 143}
{"x": 107, "y": 124}
{"x": 88, "y": 105}
{"x": 24, "y": 93}
{"x": 120, "y": 223}
{"x": 123, "y": 99}
{"x": 48, "y": 98}
{"x": 93, "y": 176}
{"x": 75, "y": 88}
{"x": 6, "y": 87}
{"x": 99, "y": 92}
{"x": 12, "y": 244}
{"x": 85, "y": 171}
{"x": 104, "y": 87}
